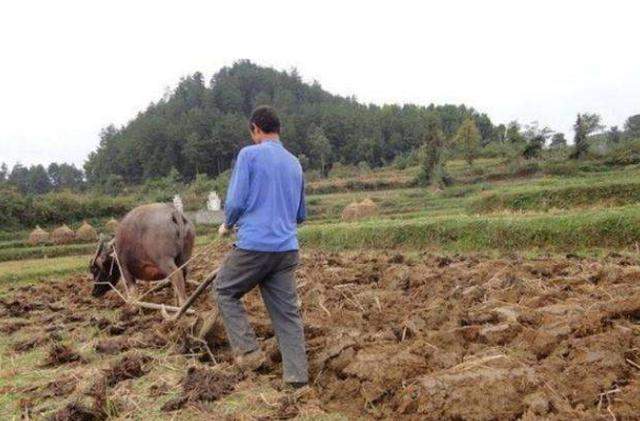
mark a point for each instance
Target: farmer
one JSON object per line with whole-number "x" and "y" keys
{"x": 265, "y": 201}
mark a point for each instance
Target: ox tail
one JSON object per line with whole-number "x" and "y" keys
{"x": 184, "y": 239}
{"x": 180, "y": 221}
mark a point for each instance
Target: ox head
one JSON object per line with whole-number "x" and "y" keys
{"x": 104, "y": 268}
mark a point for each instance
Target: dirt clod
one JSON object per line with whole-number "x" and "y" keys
{"x": 130, "y": 366}
{"x": 77, "y": 412}
{"x": 61, "y": 354}
{"x": 203, "y": 384}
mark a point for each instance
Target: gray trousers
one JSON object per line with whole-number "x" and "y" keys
{"x": 274, "y": 274}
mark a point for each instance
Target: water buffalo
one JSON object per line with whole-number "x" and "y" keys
{"x": 151, "y": 242}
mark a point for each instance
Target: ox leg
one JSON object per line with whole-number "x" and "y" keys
{"x": 130, "y": 288}
{"x": 177, "y": 280}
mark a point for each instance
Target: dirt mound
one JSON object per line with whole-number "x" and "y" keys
{"x": 63, "y": 235}
{"x": 75, "y": 411}
{"x": 130, "y": 366}
{"x": 63, "y": 386}
{"x": 59, "y": 354}
{"x": 86, "y": 232}
{"x": 113, "y": 346}
{"x": 38, "y": 340}
{"x": 203, "y": 384}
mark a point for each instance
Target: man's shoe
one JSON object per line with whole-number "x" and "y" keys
{"x": 251, "y": 361}
{"x": 295, "y": 385}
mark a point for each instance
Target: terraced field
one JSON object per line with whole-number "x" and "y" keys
{"x": 515, "y": 297}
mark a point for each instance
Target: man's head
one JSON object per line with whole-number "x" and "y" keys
{"x": 264, "y": 124}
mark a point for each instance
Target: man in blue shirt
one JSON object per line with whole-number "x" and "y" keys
{"x": 265, "y": 201}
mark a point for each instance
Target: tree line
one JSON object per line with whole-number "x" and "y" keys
{"x": 37, "y": 179}
{"x": 198, "y": 128}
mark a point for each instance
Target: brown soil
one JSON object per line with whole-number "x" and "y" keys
{"x": 392, "y": 334}
{"x": 130, "y": 366}
{"x": 202, "y": 384}
{"x": 61, "y": 354}
{"x": 75, "y": 411}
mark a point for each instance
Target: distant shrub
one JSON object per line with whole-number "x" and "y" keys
{"x": 495, "y": 150}
{"x": 518, "y": 168}
{"x": 312, "y": 175}
{"x": 340, "y": 170}
{"x": 196, "y": 194}
{"x": 626, "y": 153}
{"x": 364, "y": 168}
{"x": 58, "y": 208}
{"x": 563, "y": 168}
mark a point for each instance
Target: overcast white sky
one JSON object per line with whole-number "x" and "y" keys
{"x": 69, "y": 68}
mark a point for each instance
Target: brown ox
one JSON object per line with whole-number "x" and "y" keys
{"x": 151, "y": 243}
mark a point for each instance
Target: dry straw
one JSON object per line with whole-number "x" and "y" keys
{"x": 86, "y": 232}
{"x": 63, "y": 235}
{"x": 111, "y": 226}
{"x": 354, "y": 211}
{"x": 38, "y": 236}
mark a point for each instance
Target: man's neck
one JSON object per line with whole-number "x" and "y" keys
{"x": 269, "y": 138}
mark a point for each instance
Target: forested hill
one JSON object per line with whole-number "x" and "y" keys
{"x": 200, "y": 126}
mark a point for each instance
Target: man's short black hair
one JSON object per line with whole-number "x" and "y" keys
{"x": 266, "y": 119}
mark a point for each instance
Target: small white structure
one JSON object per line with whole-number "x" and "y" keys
{"x": 212, "y": 214}
{"x": 177, "y": 202}
{"x": 213, "y": 203}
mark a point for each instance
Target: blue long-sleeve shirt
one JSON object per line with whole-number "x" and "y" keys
{"x": 265, "y": 198}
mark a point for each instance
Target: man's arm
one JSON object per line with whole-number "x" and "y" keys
{"x": 238, "y": 191}
{"x": 302, "y": 207}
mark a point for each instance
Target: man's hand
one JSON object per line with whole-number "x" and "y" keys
{"x": 224, "y": 230}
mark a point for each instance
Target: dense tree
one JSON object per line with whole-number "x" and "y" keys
{"x": 65, "y": 176}
{"x": 632, "y": 127}
{"x": 614, "y": 135}
{"x": 500, "y": 133}
{"x": 536, "y": 138}
{"x": 558, "y": 140}
{"x": 468, "y": 140}
{"x": 514, "y": 136}
{"x": 38, "y": 180}
{"x": 199, "y": 128}
{"x": 4, "y": 172}
{"x": 432, "y": 154}
{"x": 19, "y": 177}
{"x": 320, "y": 148}
{"x": 586, "y": 124}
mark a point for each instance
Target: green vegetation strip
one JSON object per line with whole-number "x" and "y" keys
{"x": 21, "y": 253}
{"x": 42, "y": 268}
{"x": 559, "y": 197}
{"x": 616, "y": 228}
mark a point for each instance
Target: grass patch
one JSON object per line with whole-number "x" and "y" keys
{"x": 41, "y": 268}
{"x": 40, "y": 252}
{"x": 613, "y": 194}
{"x": 614, "y": 228}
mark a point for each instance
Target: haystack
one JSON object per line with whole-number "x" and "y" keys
{"x": 62, "y": 235}
{"x": 38, "y": 236}
{"x": 354, "y": 211}
{"x": 111, "y": 226}
{"x": 368, "y": 208}
{"x": 350, "y": 212}
{"x": 86, "y": 232}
